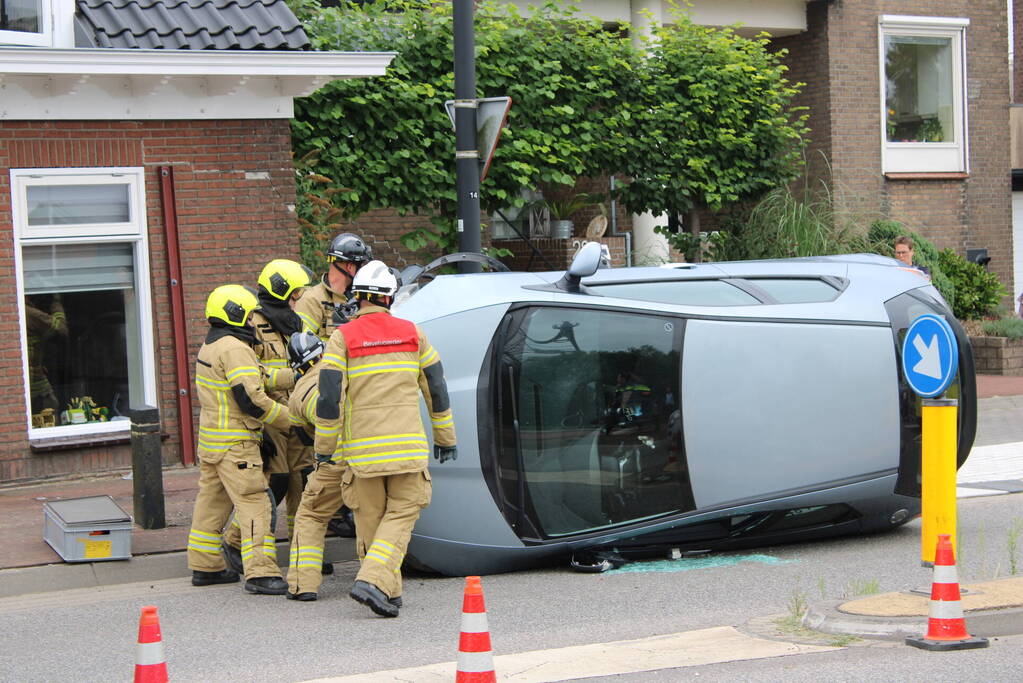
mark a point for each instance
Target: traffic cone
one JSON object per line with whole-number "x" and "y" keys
{"x": 150, "y": 665}
{"x": 475, "y": 660}
{"x": 946, "y": 627}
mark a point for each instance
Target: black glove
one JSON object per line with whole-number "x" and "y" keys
{"x": 267, "y": 450}
{"x": 444, "y": 453}
{"x": 302, "y": 435}
{"x": 321, "y": 458}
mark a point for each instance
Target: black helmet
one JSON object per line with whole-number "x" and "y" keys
{"x": 304, "y": 348}
{"x": 349, "y": 247}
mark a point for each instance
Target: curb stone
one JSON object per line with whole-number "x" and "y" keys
{"x": 171, "y": 565}
{"x": 827, "y": 618}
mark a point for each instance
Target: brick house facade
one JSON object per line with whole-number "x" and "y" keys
{"x": 233, "y": 184}
{"x": 135, "y": 176}
{"x": 837, "y": 58}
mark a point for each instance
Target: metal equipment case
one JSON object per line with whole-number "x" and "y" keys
{"x": 91, "y": 529}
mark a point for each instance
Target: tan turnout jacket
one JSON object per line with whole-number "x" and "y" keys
{"x": 272, "y": 350}
{"x": 367, "y": 415}
{"x": 316, "y": 308}
{"x": 233, "y": 406}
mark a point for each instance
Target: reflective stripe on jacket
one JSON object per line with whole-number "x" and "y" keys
{"x": 375, "y": 367}
{"x": 227, "y": 371}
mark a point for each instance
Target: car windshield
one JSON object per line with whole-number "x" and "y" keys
{"x": 588, "y": 405}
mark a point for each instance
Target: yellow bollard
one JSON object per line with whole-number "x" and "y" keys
{"x": 938, "y": 474}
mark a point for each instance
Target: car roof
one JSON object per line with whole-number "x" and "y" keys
{"x": 864, "y": 282}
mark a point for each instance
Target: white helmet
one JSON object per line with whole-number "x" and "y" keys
{"x": 375, "y": 278}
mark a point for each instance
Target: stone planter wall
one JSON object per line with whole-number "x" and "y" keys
{"x": 557, "y": 253}
{"x": 998, "y": 356}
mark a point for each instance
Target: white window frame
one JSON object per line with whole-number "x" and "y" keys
{"x": 42, "y": 39}
{"x": 135, "y": 233}
{"x": 927, "y": 157}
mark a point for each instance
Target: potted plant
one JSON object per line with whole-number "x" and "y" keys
{"x": 562, "y": 210}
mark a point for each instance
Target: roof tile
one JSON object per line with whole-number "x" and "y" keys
{"x": 189, "y": 25}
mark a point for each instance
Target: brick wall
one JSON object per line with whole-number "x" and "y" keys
{"x": 998, "y": 355}
{"x": 234, "y": 185}
{"x": 842, "y": 47}
{"x": 807, "y": 61}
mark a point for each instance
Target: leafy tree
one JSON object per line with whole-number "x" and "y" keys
{"x": 389, "y": 138}
{"x": 704, "y": 121}
{"x": 713, "y": 123}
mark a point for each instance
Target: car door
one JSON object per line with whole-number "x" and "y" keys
{"x": 776, "y": 408}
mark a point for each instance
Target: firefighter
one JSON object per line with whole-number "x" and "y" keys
{"x": 372, "y": 372}
{"x": 233, "y": 410}
{"x": 325, "y": 306}
{"x": 280, "y": 284}
{"x": 322, "y": 495}
{"x": 322, "y": 307}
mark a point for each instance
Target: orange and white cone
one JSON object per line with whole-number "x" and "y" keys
{"x": 475, "y": 659}
{"x": 946, "y": 627}
{"x": 150, "y": 665}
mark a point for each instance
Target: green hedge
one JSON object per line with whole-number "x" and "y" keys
{"x": 977, "y": 291}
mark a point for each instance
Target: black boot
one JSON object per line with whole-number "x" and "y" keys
{"x": 374, "y": 598}
{"x": 267, "y": 585}
{"x": 342, "y": 525}
{"x": 395, "y": 601}
{"x": 232, "y": 556}
{"x": 210, "y": 578}
{"x": 303, "y": 597}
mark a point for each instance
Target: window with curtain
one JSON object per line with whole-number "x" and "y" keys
{"x": 923, "y": 94}
{"x": 83, "y": 273}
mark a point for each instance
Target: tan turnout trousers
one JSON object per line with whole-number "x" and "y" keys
{"x": 320, "y": 501}
{"x": 233, "y": 409}
{"x": 386, "y": 508}
{"x": 298, "y": 456}
{"x": 233, "y": 481}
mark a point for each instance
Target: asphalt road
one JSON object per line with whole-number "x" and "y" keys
{"x": 221, "y": 633}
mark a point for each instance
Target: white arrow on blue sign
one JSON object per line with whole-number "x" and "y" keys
{"x": 930, "y": 355}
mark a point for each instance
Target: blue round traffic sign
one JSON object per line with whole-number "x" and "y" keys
{"x": 930, "y": 355}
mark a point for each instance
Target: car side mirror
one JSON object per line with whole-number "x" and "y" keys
{"x": 585, "y": 264}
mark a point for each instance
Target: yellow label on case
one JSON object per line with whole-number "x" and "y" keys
{"x": 94, "y": 549}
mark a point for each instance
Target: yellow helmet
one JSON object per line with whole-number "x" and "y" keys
{"x": 231, "y": 303}
{"x": 282, "y": 276}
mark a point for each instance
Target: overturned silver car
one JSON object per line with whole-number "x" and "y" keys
{"x": 690, "y": 407}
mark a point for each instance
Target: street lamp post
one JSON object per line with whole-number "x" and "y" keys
{"x": 466, "y": 155}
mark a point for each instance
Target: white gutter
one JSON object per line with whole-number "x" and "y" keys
{"x": 101, "y": 61}
{"x": 98, "y": 83}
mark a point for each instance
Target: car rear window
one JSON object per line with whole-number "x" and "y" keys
{"x": 680, "y": 292}
{"x": 796, "y": 290}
